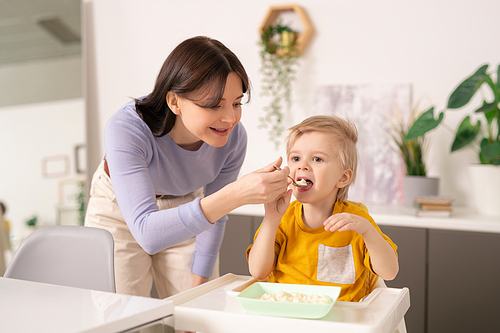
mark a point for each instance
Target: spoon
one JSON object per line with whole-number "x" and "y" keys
{"x": 302, "y": 184}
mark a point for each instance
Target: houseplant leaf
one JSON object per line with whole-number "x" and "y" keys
{"x": 464, "y": 92}
{"x": 466, "y": 133}
{"x": 490, "y": 111}
{"x": 487, "y": 107}
{"x": 424, "y": 124}
{"x": 490, "y": 152}
{"x": 498, "y": 78}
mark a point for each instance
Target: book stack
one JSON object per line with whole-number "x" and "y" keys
{"x": 434, "y": 205}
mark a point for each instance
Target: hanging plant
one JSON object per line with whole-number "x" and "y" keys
{"x": 279, "y": 58}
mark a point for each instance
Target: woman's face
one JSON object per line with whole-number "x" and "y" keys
{"x": 211, "y": 125}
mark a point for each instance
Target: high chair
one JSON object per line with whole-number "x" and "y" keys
{"x": 374, "y": 281}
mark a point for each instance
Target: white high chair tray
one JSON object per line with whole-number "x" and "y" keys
{"x": 213, "y": 307}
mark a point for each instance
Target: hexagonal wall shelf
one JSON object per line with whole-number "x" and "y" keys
{"x": 303, "y": 37}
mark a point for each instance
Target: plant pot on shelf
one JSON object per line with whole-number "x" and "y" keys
{"x": 416, "y": 186}
{"x": 485, "y": 180}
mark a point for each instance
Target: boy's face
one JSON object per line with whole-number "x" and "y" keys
{"x": 313, "y": 157}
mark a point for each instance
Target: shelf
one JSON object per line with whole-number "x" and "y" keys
{"x": 462, "y": 218}
{"x": 304, "y": 36}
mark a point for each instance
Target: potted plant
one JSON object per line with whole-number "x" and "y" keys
{"x": 279, "y": 58}
{"x": 412, "y": 152}
{"x": 80, "y": 198}
{"x": 482, "y": 136}
{"x": 31, "y": 225}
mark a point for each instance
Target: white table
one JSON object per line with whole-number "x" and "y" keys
{"x": 37, "y": 307}
{"x": 213, "y": 307}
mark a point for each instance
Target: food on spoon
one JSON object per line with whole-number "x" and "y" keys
{"x": 302, "y": 182}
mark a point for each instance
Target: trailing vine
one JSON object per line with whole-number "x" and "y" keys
{"x": 279, "y": 58}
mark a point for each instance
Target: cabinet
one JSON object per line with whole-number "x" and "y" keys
{"x": 453, "y": 277}
{"x": 464, "y": 281}
{"x": 239, "y": 233}
{"x": 412, "y": 253}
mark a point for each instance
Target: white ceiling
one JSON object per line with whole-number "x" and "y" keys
{"x": 22, "y": 38}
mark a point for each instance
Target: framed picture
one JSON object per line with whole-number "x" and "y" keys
{"x": 55, "y": 166}
{"x": 370, "y": 106}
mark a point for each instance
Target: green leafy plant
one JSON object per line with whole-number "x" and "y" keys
{"x": 32, "y": 221}
{"x": 486, "y": 132}
{"x": 80, "y": 198}
{"x": 411, "y": 151}
{"x": 279, "y": 58}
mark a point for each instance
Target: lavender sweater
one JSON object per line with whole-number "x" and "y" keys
{"x": 142, "y": 166}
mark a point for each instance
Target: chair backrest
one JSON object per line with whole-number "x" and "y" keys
{"x": 73, "y": 256}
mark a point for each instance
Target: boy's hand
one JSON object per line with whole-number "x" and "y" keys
{"x": 276, "y": 209}
{"x": 345, "y": 221}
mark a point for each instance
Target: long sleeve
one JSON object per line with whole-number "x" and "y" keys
{"x": 142, "y": 166}
{"x": 208, "y": 243}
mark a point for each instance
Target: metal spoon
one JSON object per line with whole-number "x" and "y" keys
{"x": 293, "y": 180}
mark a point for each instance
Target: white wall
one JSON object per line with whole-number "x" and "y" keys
{"x": 38, "y": 81}
{"x": 42, "y": 114}
{"x": 432, "y": 44}
{"x": 29, "y": 133}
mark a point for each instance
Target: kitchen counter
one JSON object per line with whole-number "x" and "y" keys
{"x": 462, "y": 218}
{"x": 27, "y": 306}
{"x": 214, "y": 308}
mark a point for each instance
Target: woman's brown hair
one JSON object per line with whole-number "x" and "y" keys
{"x": 197, "y": 69}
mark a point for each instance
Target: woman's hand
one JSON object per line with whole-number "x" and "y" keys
{"x": 259, "y": 187}
{"x": 263, "y": 185}
{"x": 198, "y": 280}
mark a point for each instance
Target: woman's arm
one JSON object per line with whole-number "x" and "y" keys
{"x": 261, "y": 186}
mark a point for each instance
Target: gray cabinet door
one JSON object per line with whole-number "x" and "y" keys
{"x": 464, "y": 281}
{"x": 232, "y": 257}
{"x": 238, "y": 236}
{"x": 412, "y": 246}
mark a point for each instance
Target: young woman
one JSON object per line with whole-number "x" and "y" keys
{"x": 169, "y": 177}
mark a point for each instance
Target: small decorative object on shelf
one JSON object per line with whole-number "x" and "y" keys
{"x": 281, "y": 47}
{"x": 433, "y": 205}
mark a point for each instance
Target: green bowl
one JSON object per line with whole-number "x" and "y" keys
{"x": 248, "y": 300}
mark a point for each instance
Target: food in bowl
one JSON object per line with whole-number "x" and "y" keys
{"x": 295, "y": 297}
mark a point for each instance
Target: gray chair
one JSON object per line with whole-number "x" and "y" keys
{"x": 73, "y": 256}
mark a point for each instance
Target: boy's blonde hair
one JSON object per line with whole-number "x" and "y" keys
{"x": 344, "y": 133}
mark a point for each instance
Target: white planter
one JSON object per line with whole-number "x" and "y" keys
{"x": 485, "y": 186}
{"x": 416, "y": 186}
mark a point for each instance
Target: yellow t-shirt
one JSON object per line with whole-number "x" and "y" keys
{"x": 319, "y": 257}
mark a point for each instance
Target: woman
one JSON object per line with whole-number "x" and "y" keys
{"x": 169, "y": 177}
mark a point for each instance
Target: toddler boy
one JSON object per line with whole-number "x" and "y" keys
{"x": 321, "y": 238}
